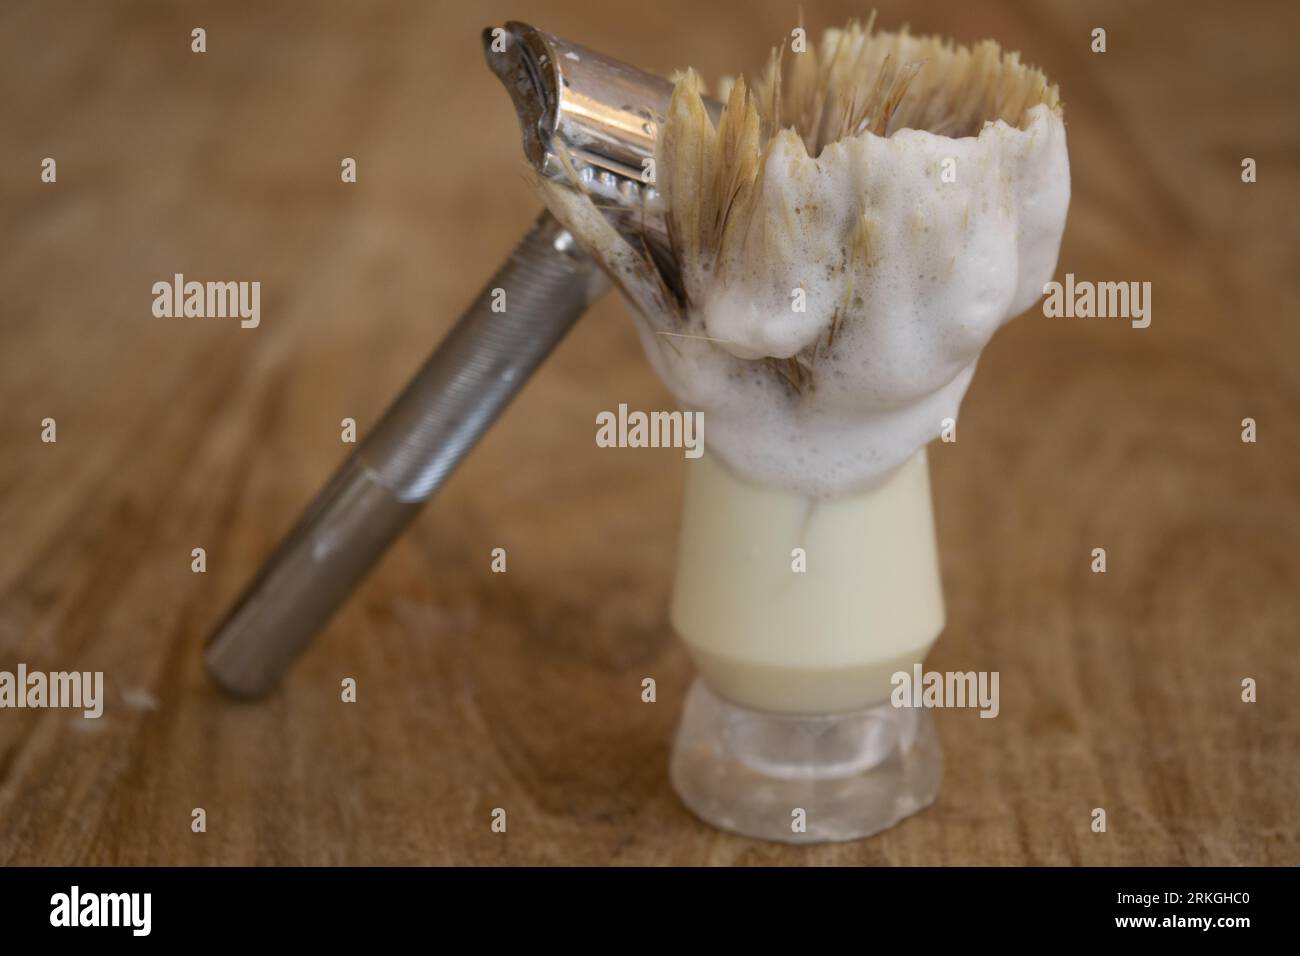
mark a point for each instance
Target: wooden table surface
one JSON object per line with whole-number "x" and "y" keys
{"x": 522, "y": 690}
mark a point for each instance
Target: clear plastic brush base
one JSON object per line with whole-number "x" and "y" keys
{"x": 804, "y": 779}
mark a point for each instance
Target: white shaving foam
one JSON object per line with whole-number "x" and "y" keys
{"x": 951, "y": 262}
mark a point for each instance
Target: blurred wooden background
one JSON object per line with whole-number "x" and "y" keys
{"x": 521, "y": 690}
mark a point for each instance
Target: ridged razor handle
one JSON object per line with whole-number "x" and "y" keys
{"x": 542, "y": 289}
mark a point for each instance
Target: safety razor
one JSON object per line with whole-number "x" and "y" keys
{"x": 589, "y": 122}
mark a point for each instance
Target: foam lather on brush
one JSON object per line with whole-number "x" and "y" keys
{"x": 841, "y": 247}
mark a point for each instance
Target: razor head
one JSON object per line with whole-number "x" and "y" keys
{"x": 587, "y": 120}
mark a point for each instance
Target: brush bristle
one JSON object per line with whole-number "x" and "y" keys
{"x": 859, "y": 82}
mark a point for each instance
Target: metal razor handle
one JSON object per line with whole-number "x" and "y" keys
{"x": 478, "y": 368}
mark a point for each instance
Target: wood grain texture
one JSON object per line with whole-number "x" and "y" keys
{"x": 479, "y": 690}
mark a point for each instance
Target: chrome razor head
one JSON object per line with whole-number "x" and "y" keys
{"x": 587, "y": 120}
